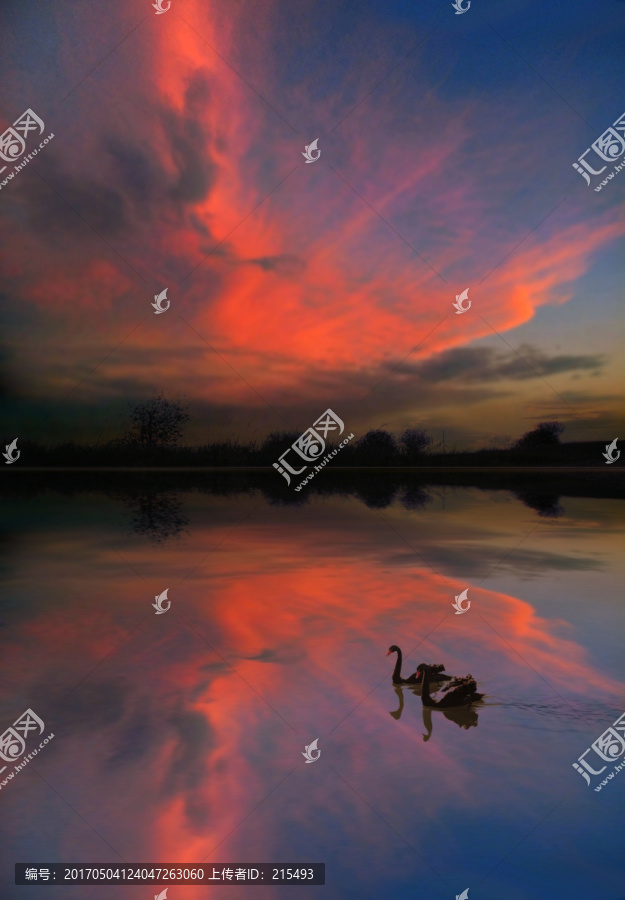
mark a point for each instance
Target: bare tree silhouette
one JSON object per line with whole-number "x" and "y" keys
{"x": 157, "y": 422}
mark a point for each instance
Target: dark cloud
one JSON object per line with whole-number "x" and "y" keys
{"x": 474, "y": 364}
{"x": 94, "y": 704}
{"x": 189, "y": 144}
{"x": 130, "y": 184}
{"x": 198, "y": 95}
{"x": 196, "y": 172}
{"x": 199, "y": 226}
{"x": 195, "y": 741}
{"x": 135, "y": 739}
{"x": 145, "y": 355}
{"x": 283, "y": 655}
{"x": 135, "y": 171}
{"x": 460, "y": 559}
{"x": 286, "y": 264}
{"x": 68, "y": 202}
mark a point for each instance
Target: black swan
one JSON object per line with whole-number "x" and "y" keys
{"x": 457, "y": 692}
{"x": 417, "y": 678}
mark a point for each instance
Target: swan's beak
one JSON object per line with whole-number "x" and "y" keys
{"x": 389, "y": 653}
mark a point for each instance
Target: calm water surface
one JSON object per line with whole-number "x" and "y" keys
{"x": 179, "y": 737}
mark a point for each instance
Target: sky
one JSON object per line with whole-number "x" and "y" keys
{"x": 447, "y": 149}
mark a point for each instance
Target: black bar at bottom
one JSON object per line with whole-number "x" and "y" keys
{"x": 166, "y": 874}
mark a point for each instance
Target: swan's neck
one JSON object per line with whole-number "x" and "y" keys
{"x": 397, "y": 672}
{"x": 425, "y": 690}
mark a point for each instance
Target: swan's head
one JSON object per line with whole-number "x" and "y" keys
{"x": 421, "y": 668}
{"x": 393, "y": 649}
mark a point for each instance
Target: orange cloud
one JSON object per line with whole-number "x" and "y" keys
{"x": 306, "y": 278}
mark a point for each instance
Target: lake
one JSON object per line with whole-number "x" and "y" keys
{"x": 180, "y": 737}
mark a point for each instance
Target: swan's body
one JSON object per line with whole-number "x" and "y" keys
{"x": 437, "y": 673}
{"x": 458, "y": 692}
{"x": 417, "y": 678}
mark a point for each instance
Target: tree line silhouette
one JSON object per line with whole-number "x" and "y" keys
{"x": 154, "y": 432}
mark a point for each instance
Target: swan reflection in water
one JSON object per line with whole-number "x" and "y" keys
{"x": 464, "y": 716}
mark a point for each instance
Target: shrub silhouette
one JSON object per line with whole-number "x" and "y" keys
{"x": 376, "y": 448}
{"x": 414, "y": 442}
{"x": 545, "y": 434}
{"x": 277, "y": 443}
